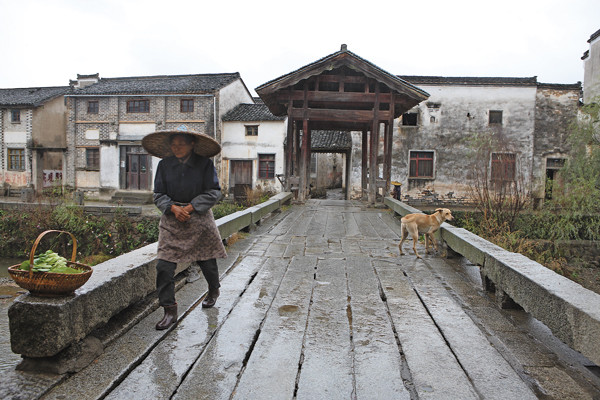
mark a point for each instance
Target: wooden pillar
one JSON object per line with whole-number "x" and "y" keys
{"x": 365, "y": 153}
{"x": 374, "y": 150}
{"x": 297, "y": 142}
{"x": 390, "y": 145}
{"x": 348, "y": 172}
{"x": 289, "y": 148}
{"x": 308, "y": 154}
{"x": 303, "y": 161}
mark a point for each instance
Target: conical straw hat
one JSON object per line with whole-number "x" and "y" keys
{"x": 158, "y": 143}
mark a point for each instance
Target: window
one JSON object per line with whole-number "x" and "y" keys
{"x": 266, "y": 166}
{"x": 93, "y": 107}
{"x": 409, "y": 119}
{"x": 421, "y": 164}
{"x": 503, "y": 166}
{"x": 251, "y": 130}
{"x": 496, "y": 117}
{"x": 15, "y": 116}
{"x": 16, "y": 159}
{"x": 138, "y": 106}
{"x": 92, "y": 158}
{"x": 186, "y": 105}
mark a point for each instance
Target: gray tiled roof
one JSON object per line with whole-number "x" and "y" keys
{"x": 465, "y": 80}
{"x": 251, "y": 112}
{"x": 30, "y": 97}
{"x": 330, "y": 141}
{"x": 202, "y": 83}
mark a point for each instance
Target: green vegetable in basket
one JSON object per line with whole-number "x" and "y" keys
{"x": 50, "y": 262}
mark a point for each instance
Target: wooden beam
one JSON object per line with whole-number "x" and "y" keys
{"x": 357, "y": 116}
{"x": 340, "y": 97}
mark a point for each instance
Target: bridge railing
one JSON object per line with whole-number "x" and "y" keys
{"x": 569, "y": 310}
{"x": 41, "y": 328}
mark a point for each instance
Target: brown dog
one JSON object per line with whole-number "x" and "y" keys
{"x": 421, "y": 224}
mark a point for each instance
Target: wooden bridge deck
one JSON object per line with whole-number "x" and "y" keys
{"x": 317, "y": 304}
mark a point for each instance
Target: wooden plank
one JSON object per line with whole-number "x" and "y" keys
{"x": 318, "y": 224}
{"x": 364, "y": 225}
{"x": 435, "y": 372}
{"x": 335, "y": 226}
{"x": 271, "y": 369}
{"x": 326, "y": 371}
{"x": 491, "y": 374}
{"x": 228, "y": 348}
{"x": 193, "y": 333}
{"x": 383, "y": 230}
{"x": 377, "y": 358}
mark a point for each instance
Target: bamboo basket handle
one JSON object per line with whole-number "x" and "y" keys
{"x": 37, "y": 241}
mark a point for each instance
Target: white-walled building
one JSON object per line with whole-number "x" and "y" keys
{"x": 591, "y": 68}
{"x": 252, "y": 149}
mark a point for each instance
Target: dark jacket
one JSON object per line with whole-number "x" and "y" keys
{"x": 194, "y": 182}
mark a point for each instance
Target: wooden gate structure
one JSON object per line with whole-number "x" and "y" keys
{"x": 341, "y": 91}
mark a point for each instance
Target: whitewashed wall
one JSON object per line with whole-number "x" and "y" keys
{"x": 237, "y": 146}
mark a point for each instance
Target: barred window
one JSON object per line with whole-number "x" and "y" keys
{"x": 495, "y": 117}
{"x": 266, "y": 166}
{"x": 138, "y": 106}
{"x": 503, "y": 167}
{"x": 15, "y": 116}
{"x": 16, "y": 159}
{"x": 421, "y": 164}
{"x": 92, "y": 158}
{"x": 186, "y": 105}
{"x": 93, "y": 107}
{"x": 251, "y": 130}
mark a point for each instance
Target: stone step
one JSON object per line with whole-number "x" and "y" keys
{"x": 132, "y": 197}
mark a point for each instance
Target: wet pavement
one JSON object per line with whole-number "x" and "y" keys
{"x": 317, "y": 304}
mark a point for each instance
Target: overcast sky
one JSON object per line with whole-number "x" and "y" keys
{"x": 48, "y": 42}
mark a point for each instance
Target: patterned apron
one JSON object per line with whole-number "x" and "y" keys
{"x": 197, "y": 239}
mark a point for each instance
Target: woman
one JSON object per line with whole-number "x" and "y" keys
{"x": 185, "y": 188}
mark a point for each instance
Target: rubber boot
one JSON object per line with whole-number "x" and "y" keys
{"x": 211, "y": 298}
{"x": 169, "y": 318}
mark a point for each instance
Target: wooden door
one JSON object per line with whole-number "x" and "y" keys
{"x": 137, "y": 168}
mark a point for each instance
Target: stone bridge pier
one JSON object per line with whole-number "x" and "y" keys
{"x": 316, "y": 303}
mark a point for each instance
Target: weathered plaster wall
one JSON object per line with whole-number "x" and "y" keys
{"x": 49, "y": 124}
{"x": 556, "y": 109}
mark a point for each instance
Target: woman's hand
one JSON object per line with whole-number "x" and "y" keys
{"x": 181, "y": 213}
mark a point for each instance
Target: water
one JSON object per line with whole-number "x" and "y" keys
{"x": 8, "y": 291}
{"x": 7, "y": 262}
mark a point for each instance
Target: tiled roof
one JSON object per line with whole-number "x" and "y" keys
{"x": 30, "y": 97}
{"x": 594, "y": 36}
{"x": 560, "y": 86}
{"x": 470, "y": 81}
{"x": 251, "y": 112}
{"x": 330, "y": 141}
{"x": 198, "y": 84}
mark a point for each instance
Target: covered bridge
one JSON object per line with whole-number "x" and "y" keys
{"x": 341, "y": 91}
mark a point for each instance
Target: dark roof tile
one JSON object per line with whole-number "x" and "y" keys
{"x": 186, "y": 84}
{"x": 469, "y": 81}
{"x": 251, "y": 112}
{"x": 330, "y": 141}
{"x": 30, "y": 97}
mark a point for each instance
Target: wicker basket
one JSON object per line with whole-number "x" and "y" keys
{"x": 49, "y": 283}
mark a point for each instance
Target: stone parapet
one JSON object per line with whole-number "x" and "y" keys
{"x": 571, "y": 311}
{"x": 42, "y": 327}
